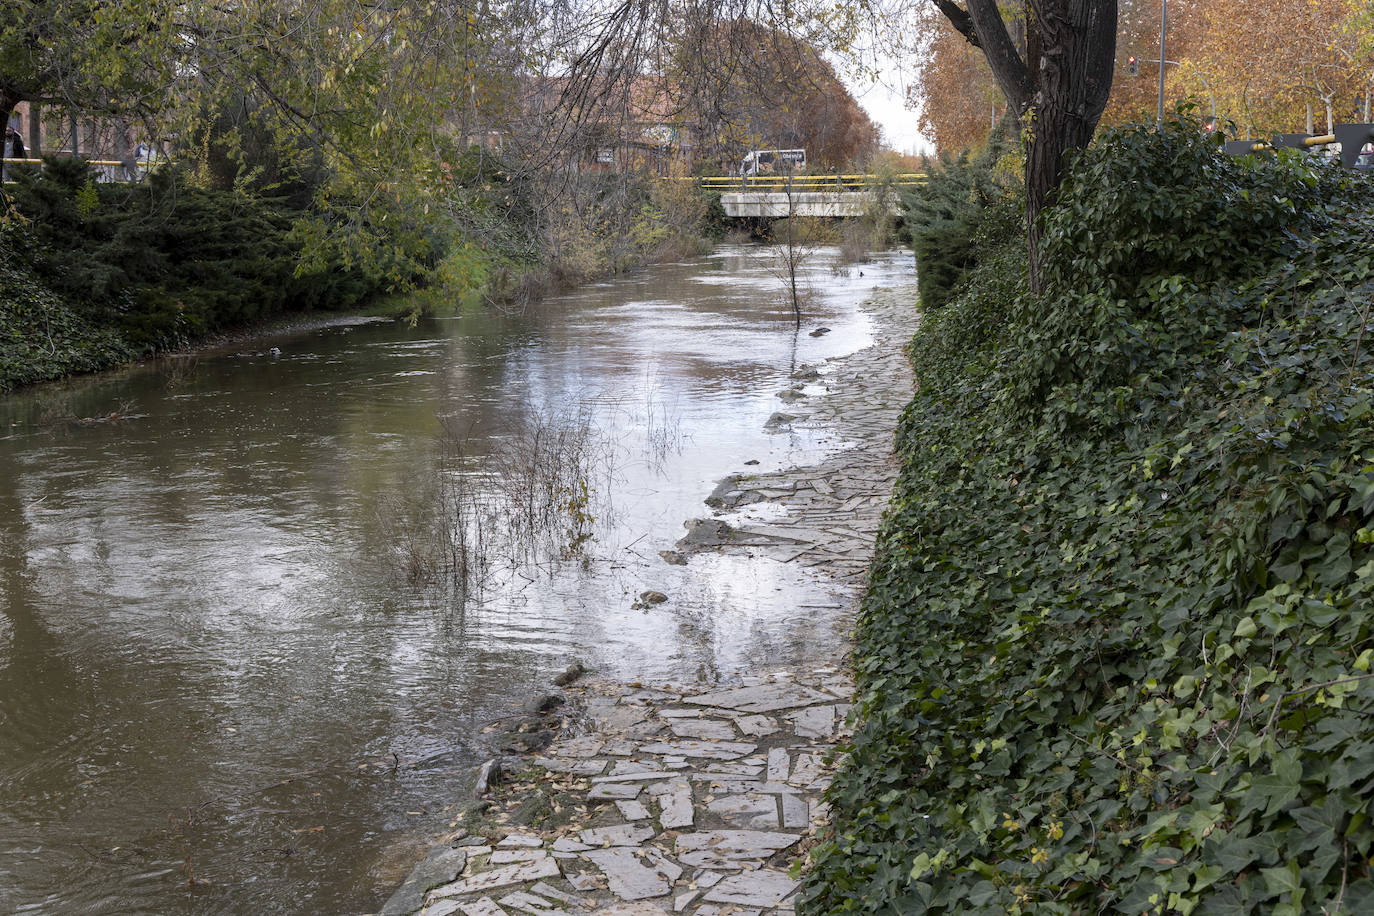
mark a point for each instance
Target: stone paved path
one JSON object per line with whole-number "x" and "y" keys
{"x": 696, "y": 799}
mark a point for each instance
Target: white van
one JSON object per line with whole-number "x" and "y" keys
{"x": 772, "y": 161}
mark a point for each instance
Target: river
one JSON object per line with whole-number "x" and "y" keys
{"x": 235, "y": 678}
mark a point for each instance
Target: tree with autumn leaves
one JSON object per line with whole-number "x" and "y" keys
{"x": 1283, "y": 65}
{"x": 1052, "y": 60}
{"x": 742, "y": 84}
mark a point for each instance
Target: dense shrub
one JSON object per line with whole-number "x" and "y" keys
{"x": 164, "y": 261}
{"x": 40, "y": 337}
{"x": 150, "y": 266}
{"x": 1116, "y": 655}
{"x": 944, "y": 214}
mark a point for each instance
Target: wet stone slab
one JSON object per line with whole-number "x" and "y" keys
{"x": 714, "y": 729}
{"x": 761, "y": 888}
{"x": 716, "y": 750}
{"x": 501, "y": 876}
{"x": 763, "y": 698}
{"x": 694, "y": 833}
{"x": 634, "y": 874}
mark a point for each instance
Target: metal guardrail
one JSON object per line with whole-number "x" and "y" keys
{"x": 1351, "y": 137}
{"x": 107, "y": 170}
{"x": 111, "y": 170}
{"x": 800, "y": 183}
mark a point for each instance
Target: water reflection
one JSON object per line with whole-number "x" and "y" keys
{"x": 215, "y": 696}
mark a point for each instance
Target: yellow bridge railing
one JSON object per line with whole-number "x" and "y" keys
{"x": 1353, "y": 138}
{"x": 802, "y": 183}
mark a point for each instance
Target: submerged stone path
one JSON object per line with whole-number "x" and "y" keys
{"x": 831, "y": 510}
{"x": 694, "y": 799}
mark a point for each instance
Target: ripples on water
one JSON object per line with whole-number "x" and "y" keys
{"x": 216, "y": 697}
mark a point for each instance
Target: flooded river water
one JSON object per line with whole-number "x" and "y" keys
{"x": 233, "y": 678}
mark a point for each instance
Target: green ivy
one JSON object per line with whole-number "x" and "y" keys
{"x": 41, "y": 337}
{"x": 1116, "y": 653}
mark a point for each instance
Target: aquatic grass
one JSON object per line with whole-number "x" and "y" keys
{"x": 532, "y": 498}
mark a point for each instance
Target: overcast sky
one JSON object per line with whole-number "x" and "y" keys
{"x": 884, "y": 100}
{"x": 886, "y": 107}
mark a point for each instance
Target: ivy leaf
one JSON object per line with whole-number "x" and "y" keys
{"x": 1283, "y": 880}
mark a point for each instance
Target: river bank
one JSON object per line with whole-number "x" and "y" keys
{"x": 1115, "y": 653}
{"x": 682, "y": 795}
{"x": 191, "y": 261}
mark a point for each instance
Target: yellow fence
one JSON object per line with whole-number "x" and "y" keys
{"x": 802, "y": 183}
{"x": 106, "y": 169}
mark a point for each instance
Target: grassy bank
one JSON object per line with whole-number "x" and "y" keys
{"x": 1116, "y": 656}
{"x": 512, "y": 238}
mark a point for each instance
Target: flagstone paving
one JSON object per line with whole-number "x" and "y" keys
{"x": 696, "y": 799}
{"x": 717, "y": 821}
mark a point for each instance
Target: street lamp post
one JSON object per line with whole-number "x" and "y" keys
{"x": 1163, "y": 31}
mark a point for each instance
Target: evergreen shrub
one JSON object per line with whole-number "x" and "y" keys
{"x": 944, "y": 215}
{"x": 40, "y": 336}
{"x": 1116, "y": 654}
{"x": 165, "y": 261}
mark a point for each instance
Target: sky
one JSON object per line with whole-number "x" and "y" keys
{"x": 885, "y": 103}
{"x": 884, "y": 98}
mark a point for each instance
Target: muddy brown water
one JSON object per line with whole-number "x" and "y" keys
{"x": 219, "y": 690}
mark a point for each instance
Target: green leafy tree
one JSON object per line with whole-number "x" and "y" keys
{"x": 116, "y": 58}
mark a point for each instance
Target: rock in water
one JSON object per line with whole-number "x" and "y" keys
{"x": 723, "y": 489}
{"x": 441, "y": 866}
{"x": 705, "y": 532}
{"x": 527, "y": 742}
{"x": 542, "y": 704}
{"x": 489, "y": 775}
{"x": 573, "y": 672}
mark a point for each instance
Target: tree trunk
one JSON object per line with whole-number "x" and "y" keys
{"x": 7, "y": 102}
{"x": 1058, "y": 89}
{"x": 121, "y": 149}
{"x": 35, "y": 130}
{"x": 1078, "y": 51}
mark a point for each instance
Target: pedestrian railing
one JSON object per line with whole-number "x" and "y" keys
{"x": 801, "y": 183}
{"x": 106, "y": 170}
{"x": 1351, "y": 137}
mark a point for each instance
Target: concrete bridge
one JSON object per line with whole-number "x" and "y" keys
{"x": 779, "y": 204}
{"x": 780, "y": 196}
